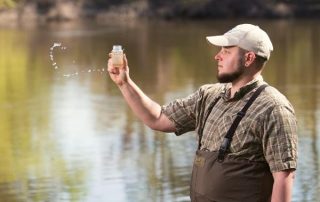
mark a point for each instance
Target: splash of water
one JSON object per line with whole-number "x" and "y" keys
{"x": 84, "y": 71}
{"x": 55, "y": 44}
{"x": 55, "y": 65}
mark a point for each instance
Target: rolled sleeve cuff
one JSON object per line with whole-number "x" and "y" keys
{"x": 179, "y": 129}
{"x": 288, "y": 165}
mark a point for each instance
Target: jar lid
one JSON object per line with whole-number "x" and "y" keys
{"x": 117, "y": 48}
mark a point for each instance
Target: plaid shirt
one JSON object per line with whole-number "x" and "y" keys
{"x": 268, "y": 131}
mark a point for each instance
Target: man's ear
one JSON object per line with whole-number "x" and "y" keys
{"x": 249, "y": 58}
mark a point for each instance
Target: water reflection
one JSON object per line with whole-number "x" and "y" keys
{"x": 74, "y": 139}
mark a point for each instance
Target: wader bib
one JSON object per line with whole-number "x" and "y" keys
{"x": 220, "y": 178}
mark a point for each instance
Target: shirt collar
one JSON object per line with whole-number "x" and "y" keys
{"x": 225, "y": 94}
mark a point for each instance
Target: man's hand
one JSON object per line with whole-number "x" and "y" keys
{"x": 119, "y": 75}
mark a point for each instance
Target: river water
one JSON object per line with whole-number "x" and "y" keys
{"x": 67, "y": 134}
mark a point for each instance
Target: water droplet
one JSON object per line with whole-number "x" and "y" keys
{"x": 89, "y": 70}
{"x": 56, "y": 44}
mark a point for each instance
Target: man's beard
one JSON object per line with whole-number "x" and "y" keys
{"x": 230, "y": 77}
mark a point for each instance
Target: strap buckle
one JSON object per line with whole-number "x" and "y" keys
{"x": 223, "y": 148}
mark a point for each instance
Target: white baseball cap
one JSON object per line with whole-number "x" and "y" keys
{"x": 246, "y": 36}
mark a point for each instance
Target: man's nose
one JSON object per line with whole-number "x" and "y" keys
{"x": 218, "y": 57}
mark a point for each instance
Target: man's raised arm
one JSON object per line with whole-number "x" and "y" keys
{"x": 148, "y": 111}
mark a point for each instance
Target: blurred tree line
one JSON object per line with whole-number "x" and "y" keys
{"x": 183, "y": 8}
{"x": 8, "y": 3}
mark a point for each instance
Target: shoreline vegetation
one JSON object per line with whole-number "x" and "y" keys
{"x": 43, "y": 11}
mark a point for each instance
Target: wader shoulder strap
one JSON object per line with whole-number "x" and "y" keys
{"x": 228, "y": 138}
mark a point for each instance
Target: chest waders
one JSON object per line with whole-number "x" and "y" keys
{"x": 220, "y": 178}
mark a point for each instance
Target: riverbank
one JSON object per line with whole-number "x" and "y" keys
{"x": 68, "y": 10}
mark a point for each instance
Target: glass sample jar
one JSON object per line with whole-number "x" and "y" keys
{"x": 117, "y": 56}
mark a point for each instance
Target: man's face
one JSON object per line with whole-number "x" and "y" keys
{"x": 230, "y": 64}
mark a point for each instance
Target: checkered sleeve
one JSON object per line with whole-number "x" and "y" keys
{"x": 183, "y": 112}
{"x": 280, "y": 139}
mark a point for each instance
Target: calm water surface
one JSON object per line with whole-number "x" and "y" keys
{"x": 73, "y": 138}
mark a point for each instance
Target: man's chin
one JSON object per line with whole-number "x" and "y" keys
{"x": 229, "y": 78}
{"x": 224, "y": 78}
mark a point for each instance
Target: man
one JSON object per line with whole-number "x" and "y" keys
{"x": 246, "y": 129}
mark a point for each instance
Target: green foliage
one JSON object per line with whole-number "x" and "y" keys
{"x": 8, "y": 3}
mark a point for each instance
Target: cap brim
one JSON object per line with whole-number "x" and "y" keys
{"x": 220, "y": 40}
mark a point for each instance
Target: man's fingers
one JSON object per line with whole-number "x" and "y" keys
{"x": 111, "y": 68}
{"x": 125, "y": 62}
{"x": 116, "y": 70}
